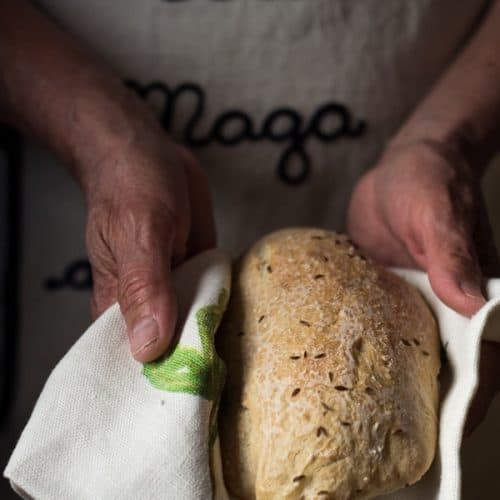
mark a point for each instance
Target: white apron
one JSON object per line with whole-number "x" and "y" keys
{"x": 285, "y": 102}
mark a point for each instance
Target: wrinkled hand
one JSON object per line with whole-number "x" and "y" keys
{"x": 149, "y": 208}
{"x": 421, "y": 207}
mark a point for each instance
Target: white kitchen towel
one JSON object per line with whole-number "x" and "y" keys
{"x": 461, "y": 338}
{"x": 107, "y": 428}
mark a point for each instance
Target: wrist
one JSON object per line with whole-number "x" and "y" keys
{"x": 108, "y": 120}
{"x": 431, "y": 139}
{"x": 422, "y": 159}
{"x": 462, "y": 143}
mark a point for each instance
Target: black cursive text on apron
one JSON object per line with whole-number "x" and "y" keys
{"x": 283, "y": 125}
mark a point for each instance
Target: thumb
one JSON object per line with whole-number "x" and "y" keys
{"x": 453, "y": 268}
{"x": 145, "y": 292}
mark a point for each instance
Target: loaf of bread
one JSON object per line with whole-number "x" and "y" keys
{"x": 332, "y": 389}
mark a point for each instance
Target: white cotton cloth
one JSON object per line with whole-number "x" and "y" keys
{"x": 101, "y": 430}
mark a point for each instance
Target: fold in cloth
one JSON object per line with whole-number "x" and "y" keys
{"x": 461, "y": 338}
{"x": 105, "y": 427}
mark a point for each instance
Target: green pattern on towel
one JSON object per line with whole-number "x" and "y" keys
{"x": 188, "y": 370}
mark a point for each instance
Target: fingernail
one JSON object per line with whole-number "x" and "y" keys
{"x": 144, "y": 334}
{"x": 472, "y": 290}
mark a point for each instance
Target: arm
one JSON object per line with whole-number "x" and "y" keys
{"x": 51, "y": 88}
{"x": 148, "y": 200}
{"x": 462, "y": 111}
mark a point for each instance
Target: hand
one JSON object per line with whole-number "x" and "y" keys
{"x": 421, "y": 207}
{"x": 149, "y": 207}
{"x": 148, "y": 201}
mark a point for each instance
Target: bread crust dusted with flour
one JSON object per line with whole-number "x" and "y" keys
{"x": 332, "y": 361}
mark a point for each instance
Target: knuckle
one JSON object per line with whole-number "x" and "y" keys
{"x": 104, "y": 293}
{"x": 135, "y": 290}
{"x": 99, "y": 236}
{"x": 146, "y": 225}
{"x": 98, "y": 219}
{"x": 131, "y": 231}
{"x": 135, "y": 226}
{"x": 459, "y": 259}
{"x": 460, "y": 255}
{"x": 451, "y": 215}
